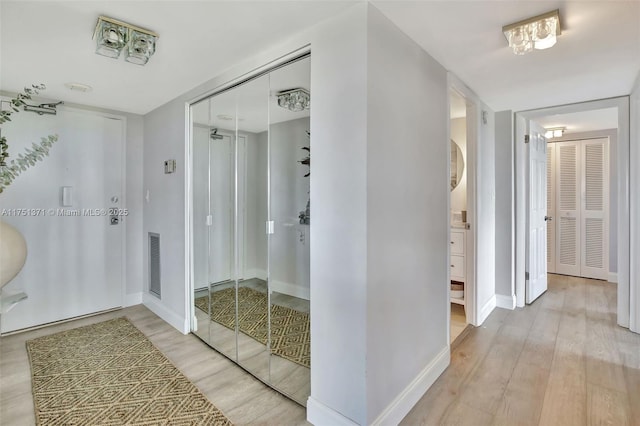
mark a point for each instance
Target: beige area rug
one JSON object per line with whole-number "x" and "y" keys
{"x": 110, "y": 374}
{"x": 290, "y": 330}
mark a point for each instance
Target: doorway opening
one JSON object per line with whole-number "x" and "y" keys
{"x": 584, "y": 210}
{"x": 459, "y": 239}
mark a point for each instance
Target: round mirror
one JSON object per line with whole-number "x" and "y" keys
{"x": 457, "y": 165}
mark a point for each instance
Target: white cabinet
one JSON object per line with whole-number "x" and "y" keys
{"x": 457, "y": 258}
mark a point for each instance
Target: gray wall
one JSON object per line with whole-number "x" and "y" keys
{"x": 634, "y": 190}
{"x": 504, "y": 204}
{"x": 407, "y": 213}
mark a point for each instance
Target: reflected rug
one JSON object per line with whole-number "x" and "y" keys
{"x": 110, "y": 374}
{"x": 290, "y": 330}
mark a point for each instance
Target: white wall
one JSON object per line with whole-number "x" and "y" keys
{"x": 459, "y": 136}
{"x": 634, "y": 281}
{"x": 407, "y": 220}
{"x": 505, "y": 289}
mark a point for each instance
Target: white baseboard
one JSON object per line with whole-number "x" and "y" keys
{"x": 405, "y": 401}
{"x": 158, "y": 308}
{"x": 290, "y": 289}
{"x": 319, "y": 414}
{"x": 132, "y": 299}
{"x": 506, "y": 302}
{"x": 256, "y": 273}
{"x": 613, "y": 277}
{"x": 486, "y": 309}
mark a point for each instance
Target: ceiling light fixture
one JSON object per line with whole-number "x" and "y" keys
{"x": 294, "y": 99}
{"x": 555, "y": 132}
{"x": 539, "y": 32}
{"x": 113, "y": 36}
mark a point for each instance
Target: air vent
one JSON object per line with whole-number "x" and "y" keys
{"x": 154, "y": 264}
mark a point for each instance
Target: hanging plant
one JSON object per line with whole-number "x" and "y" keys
{"x": 32, "y": 155}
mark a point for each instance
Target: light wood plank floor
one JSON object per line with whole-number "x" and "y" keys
{"x": 560, "y": 361}
{"x": 241, "y": 397}
{"x": 458, "y": 322}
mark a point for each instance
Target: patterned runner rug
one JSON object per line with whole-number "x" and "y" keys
{"x": 110, "y": 373}
{"x": 290, "y": 337}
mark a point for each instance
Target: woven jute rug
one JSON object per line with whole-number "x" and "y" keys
{"x": 110, "y": 374}
{"x": 290, "y": 330}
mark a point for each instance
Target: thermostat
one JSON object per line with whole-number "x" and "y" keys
{"x": 170, "y": 166}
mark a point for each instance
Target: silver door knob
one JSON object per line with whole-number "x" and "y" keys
{"x": 548, "y": 218}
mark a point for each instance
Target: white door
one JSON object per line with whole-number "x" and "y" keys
{"x": 594, "y": 257}
{"x": 536, "y": 283}
{"x": 75, "y": 256}
{"x": 568, "y": 209}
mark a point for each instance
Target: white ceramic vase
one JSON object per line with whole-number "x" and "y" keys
{"x": 13, "y": 253}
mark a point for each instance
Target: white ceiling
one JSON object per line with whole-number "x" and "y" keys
{"x": 597, "y": 55}
{"x": 51, "y": 42}
{"x": 586, "y": 121}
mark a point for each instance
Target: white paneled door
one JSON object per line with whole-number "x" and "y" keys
{"x": 536, "y": 282}
{"x": 579, "y": 200}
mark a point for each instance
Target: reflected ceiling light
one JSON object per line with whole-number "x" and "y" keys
{"x": 539, "y": 32}
{"x": 556, "y": 132}
{"x": 113, "y": 36}
{"x": 294, "y": 99}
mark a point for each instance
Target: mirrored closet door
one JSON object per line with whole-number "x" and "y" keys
{"x": 250, "y": 225}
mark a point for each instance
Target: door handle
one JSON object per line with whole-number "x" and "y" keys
{"x": 548, "y": 218}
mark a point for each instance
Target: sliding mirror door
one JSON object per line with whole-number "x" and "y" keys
{"x": 289, "y": 165}
{"x": 250, "y": 226}
{"x": 251, "y": 216}
{"x": 214, "y": 171}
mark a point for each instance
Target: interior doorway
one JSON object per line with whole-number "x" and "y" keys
{"x": 588, "y": 235}
{"x": 459, "y": 253}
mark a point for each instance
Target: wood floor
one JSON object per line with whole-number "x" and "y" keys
{"x": 241, "y": 398}
{"x": 458, "y": 322}
{"x": 560, "y": 361}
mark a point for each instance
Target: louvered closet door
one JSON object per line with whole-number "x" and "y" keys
{"x": 568, "y": 209}
{"x": 551, "y": 207}
{"x": 594, "y": 215}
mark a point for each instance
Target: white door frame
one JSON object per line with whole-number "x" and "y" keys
{"x": 471, "y": 307}
{"x": 624, "y": 223}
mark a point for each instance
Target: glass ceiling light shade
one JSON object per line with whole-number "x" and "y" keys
{"x": 539, "y": 32}
{"x": 140, "y": 47}
{"x": 110, "y": 39}
{"x": 112, "y": 36}
{"x": 294, "y": 99}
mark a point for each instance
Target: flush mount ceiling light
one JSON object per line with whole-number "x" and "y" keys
{"x": 113, "y": 36}
{"x": 556, "y": 132}
{"x": 294, "y": 99}
{"x": 539, "y": 32}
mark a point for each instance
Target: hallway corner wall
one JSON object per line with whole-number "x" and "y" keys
{"x": 634, "y": 279}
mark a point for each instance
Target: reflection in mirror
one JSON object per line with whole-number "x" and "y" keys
{"x": 457, "y": 165}
{"x": 289, "y": 259}
{"x": 214, "y": 224}
{"x": 252, "y": 215}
